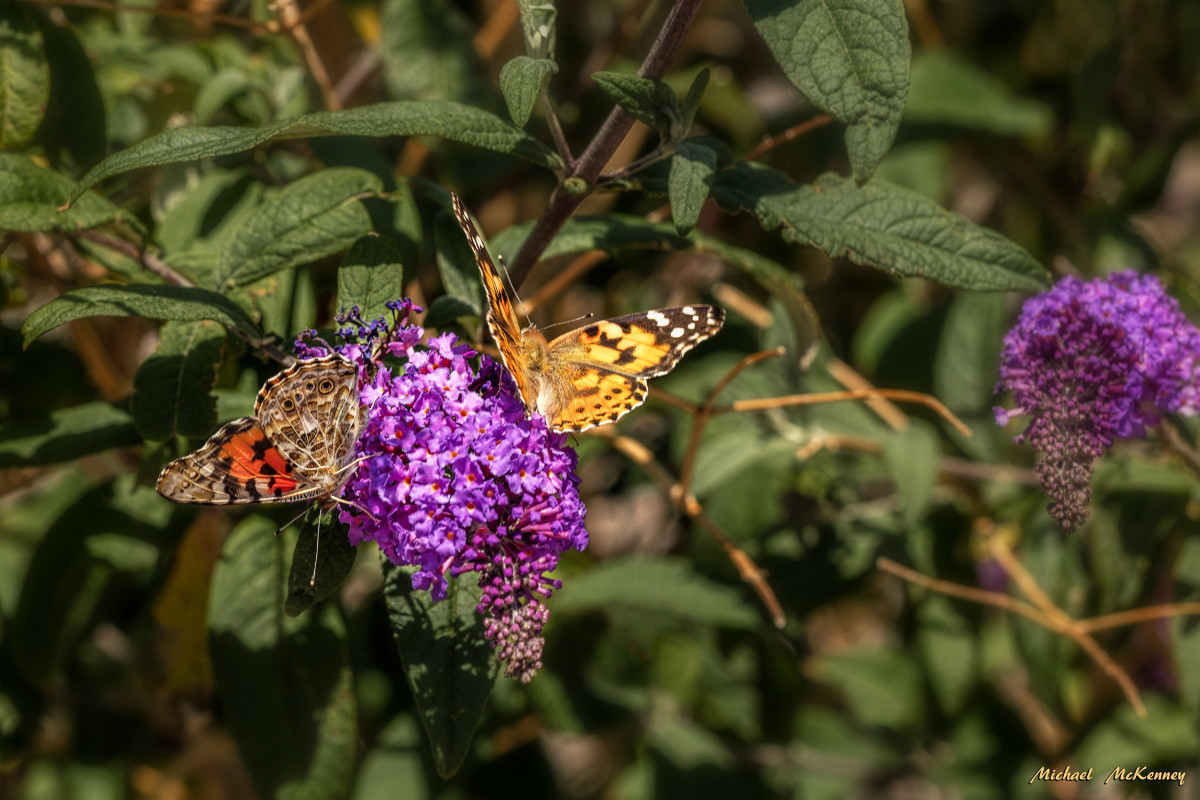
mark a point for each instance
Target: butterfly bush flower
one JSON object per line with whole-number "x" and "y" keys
{"x": 1090, "y": 362}
{"x": 458, "y": 480}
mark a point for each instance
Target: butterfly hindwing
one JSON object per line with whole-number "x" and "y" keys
{"x": 238, "y": 464}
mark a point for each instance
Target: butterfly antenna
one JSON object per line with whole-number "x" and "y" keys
{"x": 512, "y": 290}
{"x": 586, "y": 316}
{"x": 312, "y": 581}
{"x": 279, "y": 530}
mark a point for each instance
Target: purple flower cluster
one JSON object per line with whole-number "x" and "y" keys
{"x": 1091, "y": 362}
{"x": 458, "y": 480}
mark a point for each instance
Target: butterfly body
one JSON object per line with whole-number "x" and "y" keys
{"x": 297, "y": 446}
{"x": 594, "y": 374}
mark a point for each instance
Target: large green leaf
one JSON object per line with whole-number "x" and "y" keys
{"x": 426, "y": 50}
{"x": 30, "y": 197}
{"x": 172, "y": 391}
{"x": 371, "y": 274}
{"x": 308, "y": 219}
{"x": 880, "y": 224}
{"x": 24, "y": 76}
{"x": 453, "y": 121}
{"x": 949, "y": 90}
{"x": 178, "y": 303}
{"x": 67, "y": 435}
{"x": 660, "y": 587}
{"x": 947, "y": 642}
{"x": 447, "y": 661}
{"x": 285, "y": 682}
{"x": 73, "y": 131}
{"x": 850, "y": 58}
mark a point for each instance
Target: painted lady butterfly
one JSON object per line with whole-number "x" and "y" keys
{"x": 595, "y": 374}
{"x": 297, "y": 446}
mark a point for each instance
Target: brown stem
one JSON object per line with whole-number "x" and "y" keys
{"x": 762, "y": 403}
{"x": 1174, "y": 440}
{"x": 701, "y": 418}
{"x": 603, "y": 145}
{"x": 1058, "y": 620}
{"x": 160, "y": 268}
{"x": 291, "y": 21}
{"x": 689, "y": 505}
{"x": 794, "y": 132}
{"x": 1134, "y": 616}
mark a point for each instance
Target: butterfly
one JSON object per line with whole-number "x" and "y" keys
{"x": 594, "y": 374}
{"x": 298, "y": 445}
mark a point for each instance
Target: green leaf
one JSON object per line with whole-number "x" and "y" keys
{"x": 333, "y": 556}
{"x": 24, "y": 76}
{"x": 456, "y": 264}
{"x": 912, "y": 455}
{"x": 692, "y": 170}
{"x": 426, "y": 50}
{"x": 172, "y": 390}
{"x": 308, "y": 219}
{"x": 881, "y": 225}
{"x": 201, "y": 216}
{"x": 446, "y": 309}
{"x": 66, "y": 591}
{"x": 371, "y": 274}
{"x": 538, "y": 25}
{"x": 968, "y": 357}
{"x": 67, "y": 435}
{"x": 453, "y": 121}
{"x": 1164, "y": 735}
{"x": 882, "y": 687}
{"x": 394, "y": 768}
{"x": 947, "y": 642}
{"x": 178, "y": 303}
{"x": 688, "y": 745}
{"x": 947, "y": 89}
{"x": 74, "y": 127}
{"x": 285, "y": 683}
{"x": 522, "y": 80}
{"x": 30, "y": 197}
{"x": 850, "y": 58}
{"x": 660, "y": 587}
{"x": 643, "y": 98}
{"x": 447, "y": 660}
{"x": 651, "y": 101}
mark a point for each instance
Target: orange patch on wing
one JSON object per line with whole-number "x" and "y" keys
{"x": 252, "y": 457}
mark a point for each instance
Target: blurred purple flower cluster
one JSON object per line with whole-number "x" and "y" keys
{"x": 458, "y": 479}
{"x": 1091, "y": 362}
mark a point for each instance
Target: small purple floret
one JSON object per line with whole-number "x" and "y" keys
{"x": 1091, "y": 362}
{"x": 458, "y": 479}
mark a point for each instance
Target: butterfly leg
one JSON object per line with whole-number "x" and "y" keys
{"x": 354, "y": 505}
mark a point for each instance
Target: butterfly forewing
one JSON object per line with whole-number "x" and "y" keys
{"x": 642, "y": 345}
{"x": 501, "y": 316}
{"x": 591, "y": 375}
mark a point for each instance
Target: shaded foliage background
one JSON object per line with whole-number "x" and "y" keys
{"x": 144, "y": 648}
